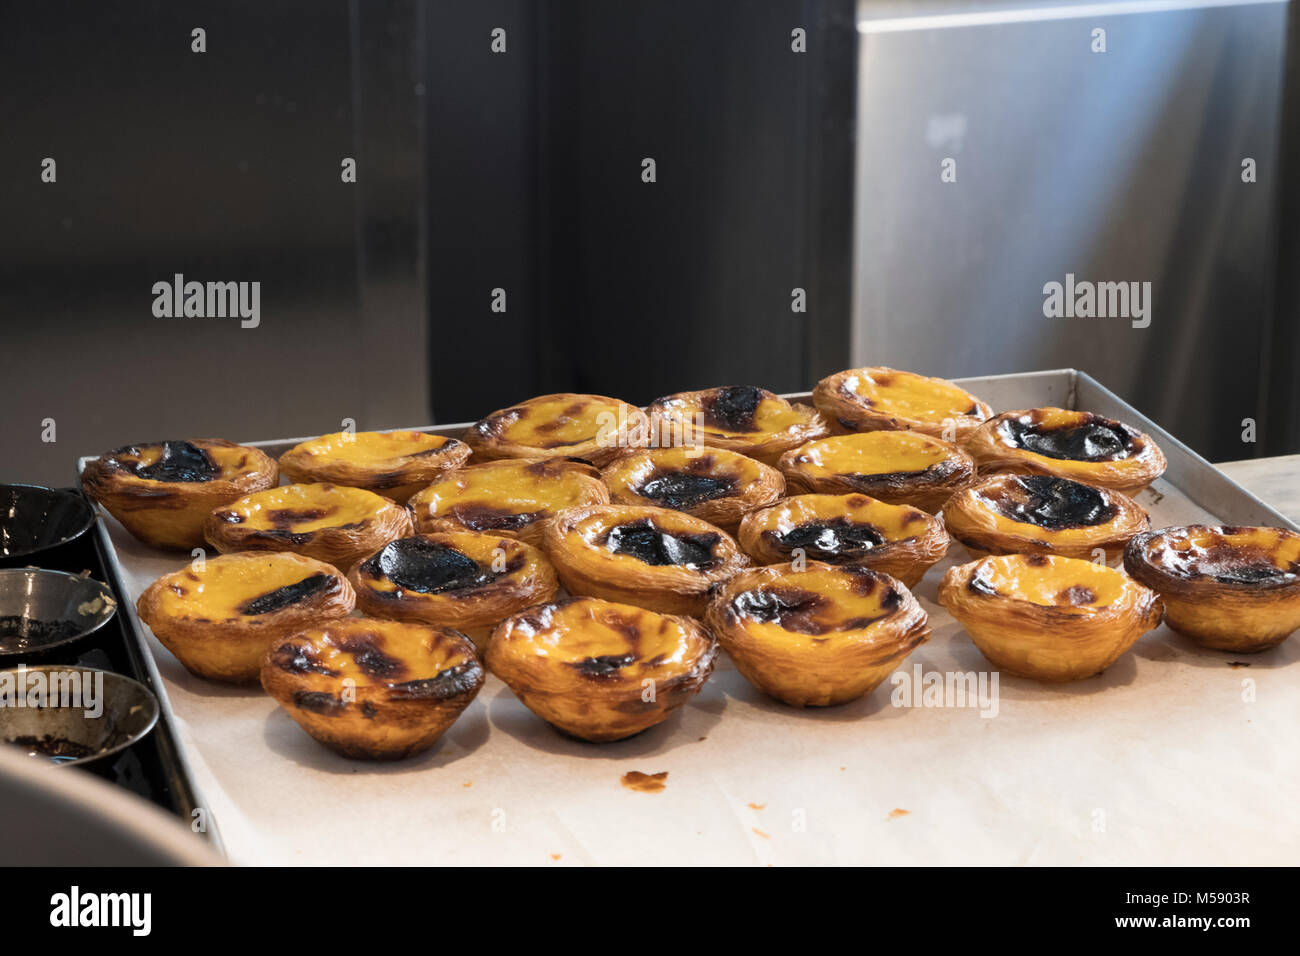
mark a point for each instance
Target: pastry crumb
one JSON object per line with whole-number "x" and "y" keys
{"x": 898, "y": 812}
{"x": 757, "y": 806}
{"x": 555, "y": 856}
{"x": 765, "y": 836}
{"x": 645, "y": 782}
{"x": 1235, "y": 664}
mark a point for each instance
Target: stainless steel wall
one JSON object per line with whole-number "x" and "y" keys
{"x": 1117, "y": 166}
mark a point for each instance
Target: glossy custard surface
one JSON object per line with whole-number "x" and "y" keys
{"x": 302, "y": 509}
{"x": 1050, "y": 581}
{"x": 682, "y": 477}
{"x": 597, "y": 639}
{"x": 837, "y": 527}
{"x": 734, "y": 411}
{"x": 809, "y": 608}
{"x": 868, "y": 454}
{"x": 908, "y": 395}
{"x": 505, "y": 495}
{"x": 378, "y": 449}
{"x": 248, "y": 584}
{"x": 554, "y": 422}
{"x": 409, "y": 659}
{"x": 1256, "y": 557}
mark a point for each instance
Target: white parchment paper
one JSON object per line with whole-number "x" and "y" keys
{"x": 1173, "y": 756}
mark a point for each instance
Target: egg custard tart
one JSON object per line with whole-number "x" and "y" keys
{"x": 654, "y": 558}
{"x": 161, "y": 492}
{"x": 1082, "y": 446}
{"x": 1047, "y": 617}
{"x": 717, "y": 485}
{"x": 330, "y": 522}
{"x": 870, "y": 399}
{"x": 396, "y": 464}
{"x": 512, "y": 497}
{"x": 601, "y": 671}
{"x": 591, "y": 427}
{"x": 898, "y": 540}
{"x": 900, "y": 467}
{"x": 460, "y": 579}
{"x": 371, "y": 689}
{"x": 1228, "y": 588}
{"x": 1006, "y": 514}
{"x": 739, "y": 418}
{"x": 219, "y": 617}
{"x": 818, "y": 636}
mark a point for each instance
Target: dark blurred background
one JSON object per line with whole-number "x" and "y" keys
{"x": 522, "y": 171}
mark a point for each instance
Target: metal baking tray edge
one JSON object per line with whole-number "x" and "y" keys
{"x": 1204, "y": 484}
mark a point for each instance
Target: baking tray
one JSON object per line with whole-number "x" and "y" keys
{"x": 1176, "y": 755}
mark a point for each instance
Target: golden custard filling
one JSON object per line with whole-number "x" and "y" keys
{"x": 1050, "y": 581}
{"x": 868, "y": 454}
{"x": 601, "y": 639}
{"x": 506, "y": 495}
{"x": 242, "y": 585}
{"x": 181, "y": 461}
{"x": 302, "y": 509}
{"x": 837, "y": 527}
{"x": 816, "y": 607}
{"x": 385, "y": 450}
{"x": 374, "y": 653}
{"x": 738, "y": 411}
{"x": 556, "y": 422}
{"x": 908, "y": 395}
{"x": 1260, "y": 557}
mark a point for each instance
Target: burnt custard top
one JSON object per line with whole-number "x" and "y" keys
{"x": 837, "y": 529}
{"x": 1069, "y": 436}
{"x": 507, "y": 496}
{"x": 883, "y": 397}
{"x": 685, "y": 478}
{"x": 593, "y": 427}
{"x": 738, "y": 417}
{"x": 391, "y": 660}
{"x": 818, "y": 607}
{"x": 377, "y": 460}
{"x": 587, "y": 641}
{"x": 877, "y": 458}
{"x": 246, "y": 587}
{"x": 183, "y": 462}
{"x": 1045, "y": 509}
{"x": 642, "y": 538}
{"x": 1238, "y": 557}
{"x": 451, "y": 564}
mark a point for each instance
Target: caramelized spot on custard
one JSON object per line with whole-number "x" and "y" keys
{"x": 1054, "y": 503}
{"x": 317, "y": 701}
{"x": 607, "y": 665}
{"x": 487, "y": 518}
{"x": 642, "y": 540}
{"x": 1093, "y": 439}
{"x": 299, "y": 659}
{"x": 793, "y": 608}
{"x": 828, "y": 540}
{"x": 179, "y": 461}
{"x": 370, "y": 659}
{"x": 283, "y": 518}
{"x": 733, "y": 408}
{"x": 678, "y": 489}
{"x": 290, "y": 594}
{"x": 451, "y": 682}
{"x": 427, "y": 567}
{"x": 1078, "y": 594}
